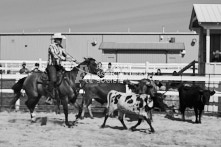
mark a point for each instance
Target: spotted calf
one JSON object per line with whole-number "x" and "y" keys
{"x": 131, "y": 103}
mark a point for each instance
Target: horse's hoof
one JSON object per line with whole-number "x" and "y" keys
{"x": 92, "y": 117}
{"x": 74, "y": 123}
{"x": 102, "y": 126}
{"x": 132, "y": 129}
{"x": 32, "y": 121}
{"x": 77, "y": 116}
{"x": 152, "y": 131}
{"x": 68, "y": 124}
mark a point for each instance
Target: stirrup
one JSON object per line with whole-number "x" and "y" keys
{"x": 49, "y": 101}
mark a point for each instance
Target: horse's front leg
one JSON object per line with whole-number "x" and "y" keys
{"x": 31, "y": 103}
{"x": 65, "y": 108}
{"x": 57, "y": 106}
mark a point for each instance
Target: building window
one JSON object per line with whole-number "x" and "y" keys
{"x": 215, "y": 47}
{"x": 216, "y": 56}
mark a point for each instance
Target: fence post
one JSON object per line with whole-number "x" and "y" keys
{"x": 128, "y": 90}
{"x": 147, "y": 68}
{"x": 17, "y": 104}
{"x": 6, "y": 68}
{"x": 130, "y": 67}
{"x": 40, "y": 63}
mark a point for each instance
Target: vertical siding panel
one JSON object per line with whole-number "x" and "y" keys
{"x": 13, "y": 47}
{"x": 0, "y": 48}
{"x": 131, "y": 38}
{"x": 79, "y": 45}
{"x": 76, "y": 45}
{"x": 141, "y": 56}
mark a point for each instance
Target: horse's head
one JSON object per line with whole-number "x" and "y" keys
{"x": 90, "y": 65}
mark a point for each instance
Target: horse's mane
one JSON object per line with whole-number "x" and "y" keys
{"x": 88, "y": 58}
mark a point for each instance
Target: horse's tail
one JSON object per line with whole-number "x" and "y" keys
{"x": 17, "y": 91}
{"x": 18, "y": 85}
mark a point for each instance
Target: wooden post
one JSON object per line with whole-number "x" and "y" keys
{"x": 17, "y": 104}
{"x": 40, "y": 63}
{"x": 207, "y": 45}
{"x": 6, "y": 68}
{"x": 194, "y": 67}
{"x": 147, "y": 68}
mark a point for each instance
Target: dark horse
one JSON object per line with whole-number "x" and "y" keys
{"x": 67, "y": 88}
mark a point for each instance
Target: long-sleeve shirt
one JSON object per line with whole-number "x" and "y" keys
{"x": 24, "y": 70}
{"x": 56, "y": 54}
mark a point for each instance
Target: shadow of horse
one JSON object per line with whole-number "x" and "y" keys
{"x": 178, "y": 119}
{"x": 122, "y": 128}
{"x": 61, "y": 122}
{"x": 115, "y": 127}
{"x": 95, "y": 115}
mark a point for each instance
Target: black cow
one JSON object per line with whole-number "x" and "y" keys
{"x": 98, "y": 90}
{"x": 193, "y": 97}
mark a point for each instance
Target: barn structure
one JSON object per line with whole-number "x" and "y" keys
{"x": 199, "y": 44}
{"x": 206, "y": 21}
{"x": 124, "y": 47}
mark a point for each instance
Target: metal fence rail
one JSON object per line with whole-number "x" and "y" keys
{"x": 211, "y": 81}
{"x": 13, "y": 66}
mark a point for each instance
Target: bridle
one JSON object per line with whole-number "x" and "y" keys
{"x": 84, "y": 71}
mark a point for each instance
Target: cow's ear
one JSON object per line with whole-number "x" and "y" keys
{"x": 212, "y": 92}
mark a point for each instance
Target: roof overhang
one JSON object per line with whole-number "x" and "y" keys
{"x": 207, "y": 16}
{"x": 141, "y": 46}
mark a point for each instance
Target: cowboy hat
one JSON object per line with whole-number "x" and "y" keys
{"x": 23, "y": 63}
{"x": 58, "y": 35}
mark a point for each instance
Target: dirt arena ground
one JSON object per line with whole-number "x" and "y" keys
{"x": 17, "y": 130}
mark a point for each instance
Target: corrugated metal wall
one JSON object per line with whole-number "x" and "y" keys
{"x": 24, "y": 47}
{"x": 155, "y": 56}
{"x": 80, "y": 46}
{"x": 35, "y": 46}
{"x": 131, "y": 38}
{"x": 141, "y": 56}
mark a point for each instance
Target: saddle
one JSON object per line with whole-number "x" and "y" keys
{"x": 44, "y": 79}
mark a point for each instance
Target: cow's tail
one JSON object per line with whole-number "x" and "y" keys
{"x": 17, "y": 91}
{"x": 108, "y": 102}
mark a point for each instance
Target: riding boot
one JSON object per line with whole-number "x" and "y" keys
{"x": 51, "y": 94}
